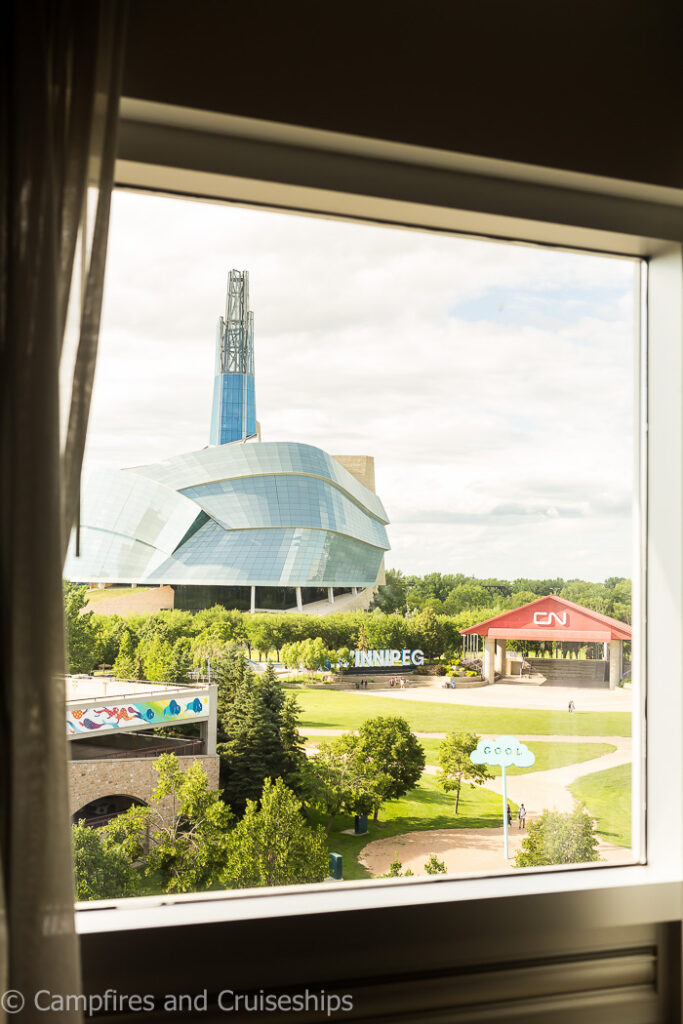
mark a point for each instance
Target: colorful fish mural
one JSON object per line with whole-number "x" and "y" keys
{"x": 81, "y": 720}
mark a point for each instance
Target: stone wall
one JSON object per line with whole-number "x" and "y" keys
{"x": 362, "y": 467}
{"x": 124, "y": 776}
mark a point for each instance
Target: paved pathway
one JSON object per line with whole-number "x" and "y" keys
{"x": 514, "y": 695}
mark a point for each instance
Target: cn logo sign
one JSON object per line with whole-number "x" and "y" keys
{"x": 547, "y": 618}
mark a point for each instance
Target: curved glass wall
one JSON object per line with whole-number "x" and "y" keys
{"x": 284, "y": 557}
{"x": 282, "y": 515}
{"x": 287, "y": 500}
{"x": 210, "y": 465}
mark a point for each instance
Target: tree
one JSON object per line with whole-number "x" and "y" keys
{"x": 260, "y": 738}
{"x": 310, "y": 653}
{"x": 109, "y": 630}
{"x": 157, "y": 658}
{"x": 338, "y": 778}
{"x": 124, "y": 665}
{"x": 394, "y": 753}
{"x": 181, "y": 660}
{"x": 229, "y": 672}
{"x": 557, "y": 838}
{"x": 273, "y": 845}
{"x": 189, "y": 841}
{"x": 434, "y": 866}
{"x": 396, "y": 870}
{"x": 102, "y": 870}
{"x": 391, "y": 596}
{"x": 427, "y": 633}
{"x": 455, "y": 765}
{"x": 82, "y": 653}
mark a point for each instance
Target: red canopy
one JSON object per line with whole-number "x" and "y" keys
{"x": 552, "y": 618}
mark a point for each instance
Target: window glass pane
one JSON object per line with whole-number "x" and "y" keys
{"x": 370, "y": 538}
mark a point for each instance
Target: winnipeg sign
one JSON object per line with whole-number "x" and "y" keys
{"x": 387, "y": 658}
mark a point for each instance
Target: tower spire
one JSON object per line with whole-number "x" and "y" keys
{"x": 233, "y": 414}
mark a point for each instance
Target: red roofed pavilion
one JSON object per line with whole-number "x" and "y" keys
{"x": 551, "y": 618}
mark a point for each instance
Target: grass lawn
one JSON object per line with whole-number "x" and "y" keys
{"x": 425, "y": 807}
{"x": 92, "y": 596}
{"x": 339, "y": 710}
{"x": 548, "y": 755}
{"x": 607, "y": 796}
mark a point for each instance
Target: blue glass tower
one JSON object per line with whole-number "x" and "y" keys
{"x": 233, "y": 414}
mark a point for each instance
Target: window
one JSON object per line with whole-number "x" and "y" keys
{"x": 494, "y": 209}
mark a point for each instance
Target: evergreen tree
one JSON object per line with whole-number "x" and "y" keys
{"x": 230, "y": 671}
{"x": 181, "y": 660}
{"x": 261, "y": 739}
{"x": 138, "y": 666}
{"x": 124, "y": 665}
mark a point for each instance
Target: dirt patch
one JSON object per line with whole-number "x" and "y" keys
{"x": 464, "y": 851}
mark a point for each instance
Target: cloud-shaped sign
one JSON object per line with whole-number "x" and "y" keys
{"x": 504, "y": 751}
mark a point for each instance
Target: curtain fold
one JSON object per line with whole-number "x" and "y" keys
{"x": 60, "y": 68}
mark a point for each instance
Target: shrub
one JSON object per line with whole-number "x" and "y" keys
{"x": 438, "y": 670}
{"x": 434, "y": 866}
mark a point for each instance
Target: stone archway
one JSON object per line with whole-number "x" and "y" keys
{"x": 102, "y": 809}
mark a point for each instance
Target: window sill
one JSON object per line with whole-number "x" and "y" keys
{"x": 644, "y": 897}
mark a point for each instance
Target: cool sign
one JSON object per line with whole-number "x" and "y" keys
{"x": 505, "y": 752}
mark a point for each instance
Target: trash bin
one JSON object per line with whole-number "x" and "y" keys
{"x": 336, "y": 866}
{"x": 360, "y": 824}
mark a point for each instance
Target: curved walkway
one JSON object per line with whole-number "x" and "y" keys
{"x": 480, "y": 850}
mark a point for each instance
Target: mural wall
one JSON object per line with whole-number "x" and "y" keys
{"x": 134, "y": 714}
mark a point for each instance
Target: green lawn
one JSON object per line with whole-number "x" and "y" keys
{"x": 425, "y": 807}
{"x": 92, "y": 596}
{"x": 339, "y": 710}
{"x": 548, "y": 755}
{"x": 607, "y": 796}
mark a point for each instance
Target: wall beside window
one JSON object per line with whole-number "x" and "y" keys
{"x": 591, "y": 87}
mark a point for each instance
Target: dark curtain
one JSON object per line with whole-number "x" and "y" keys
{"x": 60, "y": 68}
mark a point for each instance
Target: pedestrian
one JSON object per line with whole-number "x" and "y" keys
{"x": 509, "y": 816}
{"x": 522, "y": 816}
{"x": 571, "y": 707}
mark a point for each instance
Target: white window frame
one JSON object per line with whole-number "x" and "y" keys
{"x": 192, "y": 153}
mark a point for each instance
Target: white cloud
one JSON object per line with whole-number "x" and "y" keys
{"x": 492, "y": 383}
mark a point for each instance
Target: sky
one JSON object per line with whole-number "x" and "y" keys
{"x": 493, "y": 383}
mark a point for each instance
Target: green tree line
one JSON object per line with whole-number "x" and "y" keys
{"x": 425, "y": 612}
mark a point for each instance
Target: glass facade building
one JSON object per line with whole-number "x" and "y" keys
{"x": 264, "y": 514}
{"x": 234, "y": 515}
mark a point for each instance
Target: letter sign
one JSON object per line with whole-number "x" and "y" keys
{"x": 546, "y": 618}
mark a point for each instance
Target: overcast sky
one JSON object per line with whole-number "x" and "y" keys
{"x": 492, "y": 383}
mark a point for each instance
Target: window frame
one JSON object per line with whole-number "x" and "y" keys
{"x": 214, "y": 157}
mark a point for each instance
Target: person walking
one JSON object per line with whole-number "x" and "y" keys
{"x": 522, "y": 816}
{"x": 571, "y": 706}
{"x": 509, "y": 816}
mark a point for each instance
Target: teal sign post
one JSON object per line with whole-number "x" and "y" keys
{"x": 504, "y": 751}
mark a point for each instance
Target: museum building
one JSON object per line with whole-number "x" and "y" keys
{"x": 243, "y": 522}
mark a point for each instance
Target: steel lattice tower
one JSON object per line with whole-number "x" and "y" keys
{"x": 233, "y": 415}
